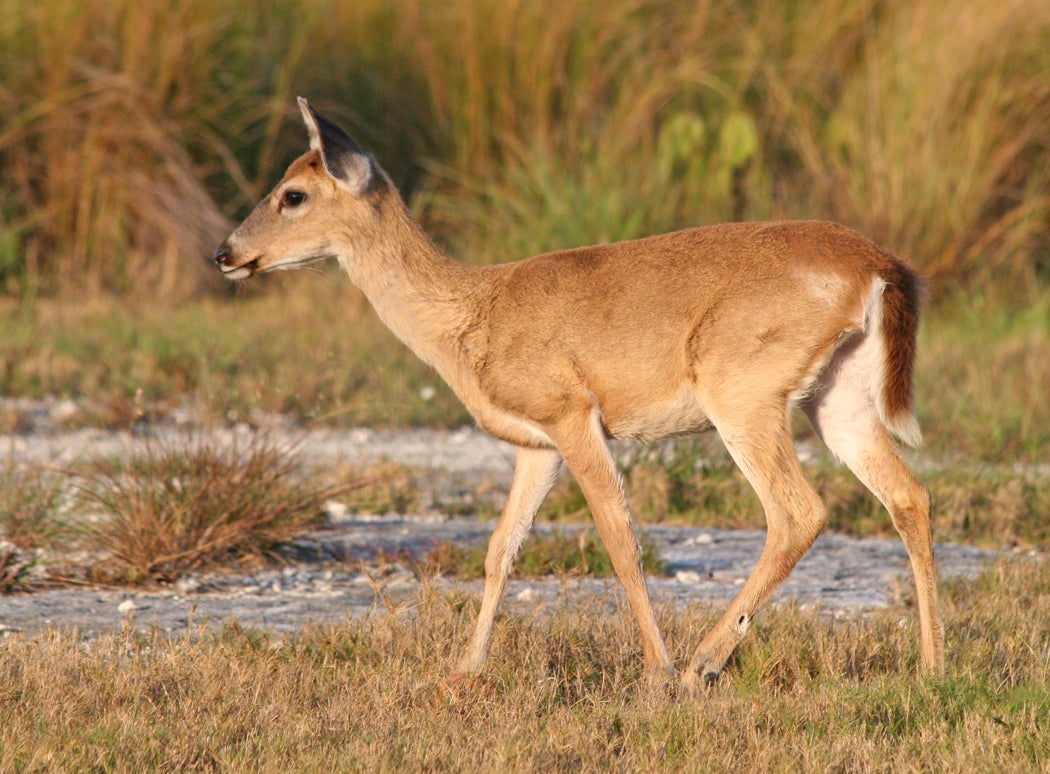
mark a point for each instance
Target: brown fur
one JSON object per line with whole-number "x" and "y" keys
{"x": 723, "y": 326}
{"x": 902, "y": 300}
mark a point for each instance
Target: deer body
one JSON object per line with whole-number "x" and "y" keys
{"x": 725, "y": 327}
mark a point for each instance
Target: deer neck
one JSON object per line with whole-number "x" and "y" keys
{"x": 418, "y": 292}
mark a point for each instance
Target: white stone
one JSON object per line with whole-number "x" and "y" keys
{"x": 688, "y": 576}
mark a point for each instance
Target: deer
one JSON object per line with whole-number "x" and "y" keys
{"x": 726, "y": 327}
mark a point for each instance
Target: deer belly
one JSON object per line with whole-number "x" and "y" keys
{"x": 648, "y": 420}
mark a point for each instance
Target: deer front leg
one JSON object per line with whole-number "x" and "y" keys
{"x": 583, "y": 446}
{"x": 534, "y": 474}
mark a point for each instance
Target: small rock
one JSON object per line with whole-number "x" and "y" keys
{"x": 703, "y": 539}
{"x": 688, "y": 576}
{"x": 65, "y": 411}
{"x": 335, "y": 510}
{"x": 126, "y": 607}
{"x": 187, "y": 585}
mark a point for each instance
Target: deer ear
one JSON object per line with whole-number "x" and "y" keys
{"x": 343, "y": 159}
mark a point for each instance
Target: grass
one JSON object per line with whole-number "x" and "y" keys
{"x": 31, "y": 506}
{"x": 696, "y": 483}
{"x": 175, "y": 506}
{"x": 984, "y": 369}
{"x": 266, "y": 353}
{"x": 561, "y": 553}
{"x": 15, "y": 568}
{"x": 170, "y": 506}
{"x": 804, "y": 692}
{"x": 982, "y": 376}
{"x": 134, "y": 131}
{"x": 31, "y": 520}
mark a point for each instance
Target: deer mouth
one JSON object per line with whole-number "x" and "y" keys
{"x": 254, "y": 266}
{"x": 244, "y": 271}
{"x": 291, "y": 265}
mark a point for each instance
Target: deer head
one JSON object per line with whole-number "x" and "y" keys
{"x": 324, "y": 206}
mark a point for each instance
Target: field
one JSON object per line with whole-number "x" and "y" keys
{"x": 134, "y": 134}
{"x": 805, "y": 693}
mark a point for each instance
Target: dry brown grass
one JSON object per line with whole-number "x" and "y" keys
{"x": 31, "y": 506}
{"x": 805, "y": 692}
{"x": 134, "y": 128}
{"x": 177, "y": 505}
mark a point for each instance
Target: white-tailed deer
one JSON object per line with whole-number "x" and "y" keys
{"x": 725, "y": 327}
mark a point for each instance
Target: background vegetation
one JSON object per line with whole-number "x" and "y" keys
{"x": 133, "y": 130}
{"x": 134, "y": 133}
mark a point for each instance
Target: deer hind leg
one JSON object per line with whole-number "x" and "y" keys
{"x": 795, "y": 515}
{"x": 534, "y": 473}
{"x": 847, "y": 421}
{"x": 582, "y": 443}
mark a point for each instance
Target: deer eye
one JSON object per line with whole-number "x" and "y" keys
{"x": 293, "y": 198}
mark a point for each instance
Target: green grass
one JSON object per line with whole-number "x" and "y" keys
{"x": 265, "y": 352}
{"x": 579, "y": 552}
{"x": 31, "y": 506}
{"x": 562, "y": 692}
{"x": 982, "y": 376}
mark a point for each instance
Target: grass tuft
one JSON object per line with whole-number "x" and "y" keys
{"x": 31, "y": 502}
{"x": 188, "y": 503}
{"x": 15, "y": 568}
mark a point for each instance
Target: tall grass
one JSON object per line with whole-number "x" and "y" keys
{"x": 133, "y": 130}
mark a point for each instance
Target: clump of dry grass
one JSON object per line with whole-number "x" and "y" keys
{"x": 31, "y": 502}
{"x": 182, "y": 504}
{"x": 561, "y": 692}
{"x": 15, "y": 568}
{"x": 30, "y": 520}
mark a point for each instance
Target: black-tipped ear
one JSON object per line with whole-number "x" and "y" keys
{"x": 343, "y": 158}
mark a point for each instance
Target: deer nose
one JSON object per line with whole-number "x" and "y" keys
{"x": 222, "y": 254}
